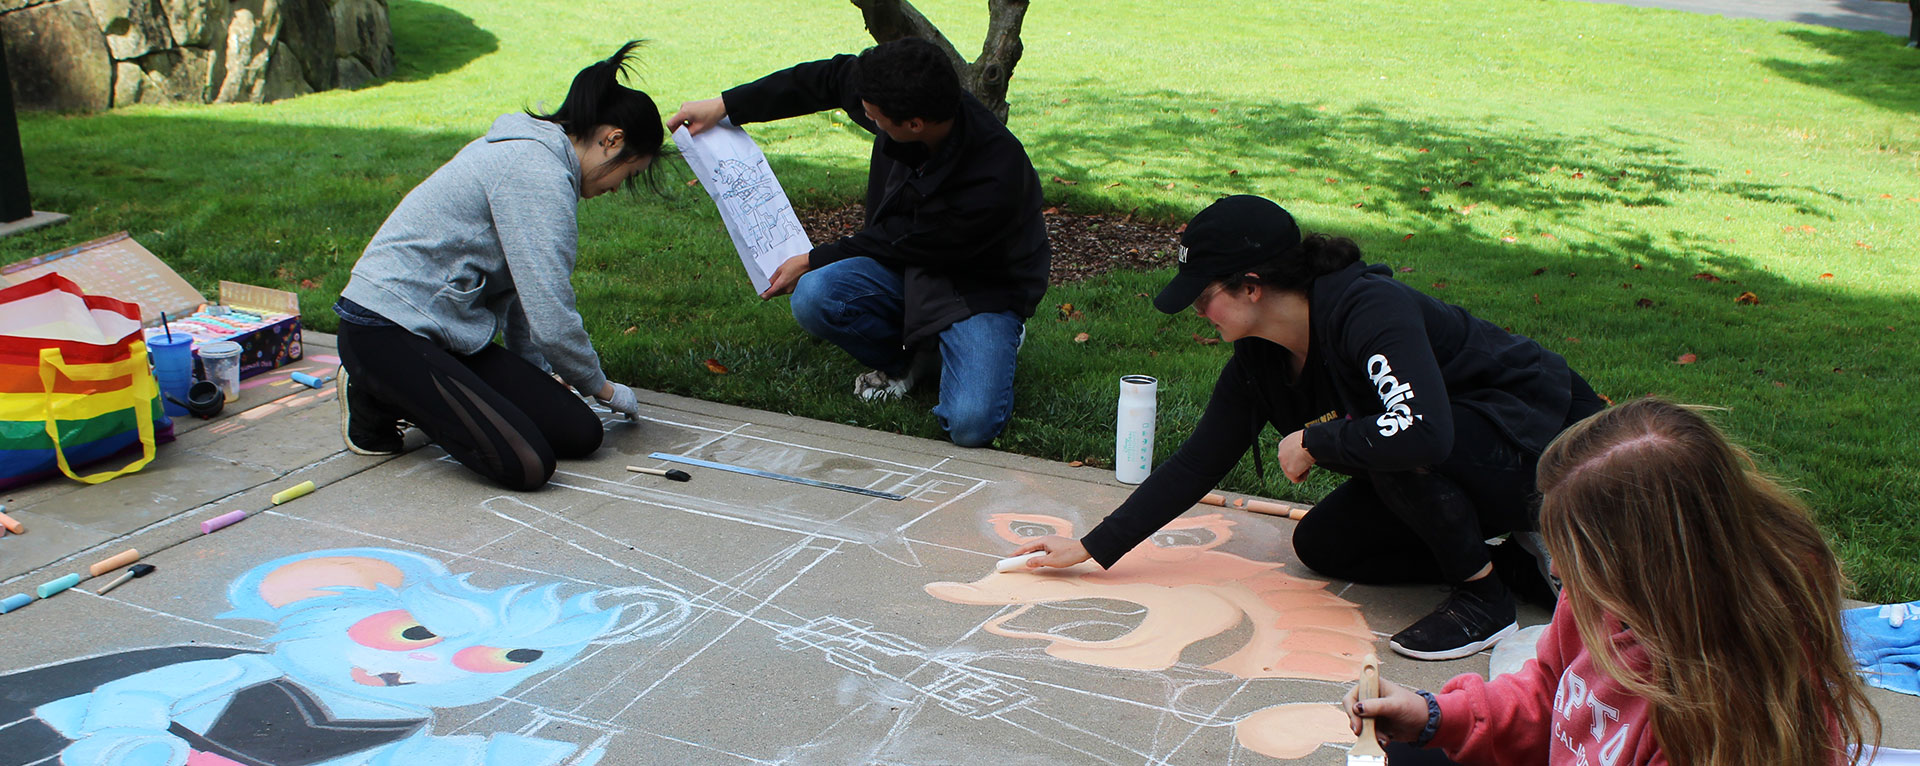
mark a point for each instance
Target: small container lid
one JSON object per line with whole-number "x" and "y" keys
{"x": 219, "y": 349}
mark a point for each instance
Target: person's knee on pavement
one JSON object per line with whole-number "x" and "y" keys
{"x": 581, "y": 437}
{"x": 975, "y": 425}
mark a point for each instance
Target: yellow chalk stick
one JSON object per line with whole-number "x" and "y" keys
{"x": 113, "y": 562}
{"x": 297, "y": 490}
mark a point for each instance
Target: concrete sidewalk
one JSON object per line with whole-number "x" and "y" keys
{"x": 421, "y": 617}
{"x": 1859, "y": 15}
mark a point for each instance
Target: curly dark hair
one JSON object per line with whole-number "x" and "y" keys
{"x": 909, "y": 78}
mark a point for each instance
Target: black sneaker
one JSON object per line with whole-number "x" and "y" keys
{"x": 367, "y": 433}
{"x": 1521, "y": 562}
{"x": 1463, "y": 624}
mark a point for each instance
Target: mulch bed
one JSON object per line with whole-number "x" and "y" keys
{"x": 1084, "y": 244}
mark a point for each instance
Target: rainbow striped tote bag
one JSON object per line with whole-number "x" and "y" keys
{"x": 75, "y": 385}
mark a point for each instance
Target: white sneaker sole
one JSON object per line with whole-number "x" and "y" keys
{"x": 340, "y": 393}
{"x": 1458, "y": 652}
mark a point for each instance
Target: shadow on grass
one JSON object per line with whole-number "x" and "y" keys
{"x": 431, "y": 39}
{"x": 1864, "y": 65}
{"x": 1405, "y": 166}
{"x": 1807, "y": 374}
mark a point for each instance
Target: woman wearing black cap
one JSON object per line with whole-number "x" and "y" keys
{"x": 1437, "y": 416}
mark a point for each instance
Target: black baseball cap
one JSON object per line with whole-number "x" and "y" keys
{"x": 1232, "y": 235}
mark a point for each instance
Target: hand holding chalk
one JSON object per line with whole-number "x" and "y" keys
{"x": 1017, "y": 563}
{"x": 1056, "y": 551}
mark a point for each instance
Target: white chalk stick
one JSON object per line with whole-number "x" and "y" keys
{"x": 1016, "y": 563}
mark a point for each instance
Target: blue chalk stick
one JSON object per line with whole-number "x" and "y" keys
{"x": 14, "y": 601}
{"x": 55, "y": 586}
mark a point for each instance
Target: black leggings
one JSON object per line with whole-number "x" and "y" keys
{"x": 493, "y": 411}
{"x": 1430, "y": 524}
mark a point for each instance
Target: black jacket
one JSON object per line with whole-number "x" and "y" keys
{"x": 963, "y": 225}
{"x": 1386, "y": 366}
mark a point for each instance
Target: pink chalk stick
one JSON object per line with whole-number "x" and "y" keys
{"x": 221, "y": 521}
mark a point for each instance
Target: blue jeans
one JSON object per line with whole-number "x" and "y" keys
{"x": 857, "y": 304}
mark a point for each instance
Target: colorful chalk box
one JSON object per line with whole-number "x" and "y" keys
{"x": 265, "y": 322}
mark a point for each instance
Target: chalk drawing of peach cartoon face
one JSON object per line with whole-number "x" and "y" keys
{"x": 1176, "y": 590}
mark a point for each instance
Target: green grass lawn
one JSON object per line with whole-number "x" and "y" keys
{"x": 1569, "y": 170}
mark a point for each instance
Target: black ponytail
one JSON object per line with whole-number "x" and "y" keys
{"x": 1297, "y": 268}
{"x": 597, "y": 98}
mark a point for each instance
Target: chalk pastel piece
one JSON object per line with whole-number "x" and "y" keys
{"x": 307, "y": 380}
{"x": 221, "y": 521}
{"x": 113, "y": 562}
{"x": 1017, "y": 563}
{"x": 297, "y": 490}
{"x": 14, "y": 601}
{"x": 50, "y": 588}
{"x": 11, "y": 525}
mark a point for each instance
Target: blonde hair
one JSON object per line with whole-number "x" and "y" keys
{"x": 1657, "y": 522}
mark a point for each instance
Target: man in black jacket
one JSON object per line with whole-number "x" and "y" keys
{"x": 954, "y": 248}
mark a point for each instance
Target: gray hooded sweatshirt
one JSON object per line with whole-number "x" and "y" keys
{"x": 486, "y": 246}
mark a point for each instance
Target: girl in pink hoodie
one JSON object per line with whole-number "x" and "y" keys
{"x": 1698, "y": 623}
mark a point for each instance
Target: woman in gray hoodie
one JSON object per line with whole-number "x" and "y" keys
{"x": 485, "y": 247}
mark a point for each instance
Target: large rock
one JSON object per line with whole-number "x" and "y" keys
{"x": 200, "y": 23}
{"x": 134, "y": 28}
{"x": 361, "y": 31}
{"x": 57, "y": 57}
{"x": 92, "y": 54}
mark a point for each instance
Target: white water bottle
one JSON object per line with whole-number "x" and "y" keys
{"x": 1133, "y": 431}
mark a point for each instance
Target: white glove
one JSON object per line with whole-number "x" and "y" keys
{"x": 622, "y": 401}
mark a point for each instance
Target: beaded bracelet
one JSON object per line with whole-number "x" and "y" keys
{"x": 1433, "y": 719}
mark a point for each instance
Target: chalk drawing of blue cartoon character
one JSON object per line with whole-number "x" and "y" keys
{"x": 368, "y": 643}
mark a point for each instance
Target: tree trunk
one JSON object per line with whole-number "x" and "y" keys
{"x": 986, "y": 78}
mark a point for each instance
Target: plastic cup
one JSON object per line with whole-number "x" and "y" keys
{"x": 221, "y": 362}
{"x": 172, "y": 366}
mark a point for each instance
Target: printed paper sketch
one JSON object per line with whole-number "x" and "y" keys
{"x": 751, "y": 202}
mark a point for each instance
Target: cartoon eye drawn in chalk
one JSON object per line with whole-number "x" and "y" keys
{"x": 368, "y": 644}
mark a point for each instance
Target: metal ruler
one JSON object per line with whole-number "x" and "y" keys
{"x": 780, "y": 476}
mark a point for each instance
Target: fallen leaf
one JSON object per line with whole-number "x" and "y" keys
{"x": 1233, "y": 172}
{"x": 1081, "y": 338}
{"x": 1536, "y": 297}
{"x": 1747, "y": 299}
{"x": 1548, "y": 235}
{"x": 1706, "y": 276}
{"x": 1426, "y": 190}
{"x": 1828, "y": 275}
{"x": 1439, "y": 285}
{"x": 1424, "y": 150}
{"x": 1604, "y": 398}
{"x": 1076, "y": 464}
{"x": 693, "y": 182}
{"x": 1510, "y": 239}
{"x": 1571, "y": 339}
{"x": 1205, "y": 341}
{"x": 1886, "y": 196}
{"x": 308, "y": 284}
{"x": 630, "y": 330}
{"x": 1579, "y": 175}
{"x": 1572, "y": 274}
{"x": 1359, "y": 204}
{"x": 1778, "y": 384}
{"x": 1645, "y": 303}
{"x": 1406, "y": 269}
{"x": 1626, "y": 285}
{"x": 1465, "y": 184}
{"x": 1111, "y": 185}
{"x": 1809, "y": 229}
{"x": 1636, "y": 267}
{"x": 1215, "y": 110}
{"x": 1862, "y": 245}
{"x": 1332, "y": 181}
{"x": 1403, "y": 239}
{"x": 1686, "y": 359}
{"x": 1469, "y": 208}
{"x": 1066, "y": 309}
{"x": 714, "y": 366}
{"x": 1839, "y": 369}
{"x": 1538, "y": 271}
{"x": 1065, "y": 182}
{"x": 1181, "y": 229}
{"x": 1050, "y": 211}
{"x": 1169, "y": 185}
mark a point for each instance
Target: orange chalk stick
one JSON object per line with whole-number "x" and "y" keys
{"x": 1214, "y": 498}
{"x": 113, "y": 562}
{"x": 1271, "y": 509}
{"x": 11, "y": 525}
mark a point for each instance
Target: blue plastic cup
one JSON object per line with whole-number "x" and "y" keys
{"x": 173, "y": 366}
